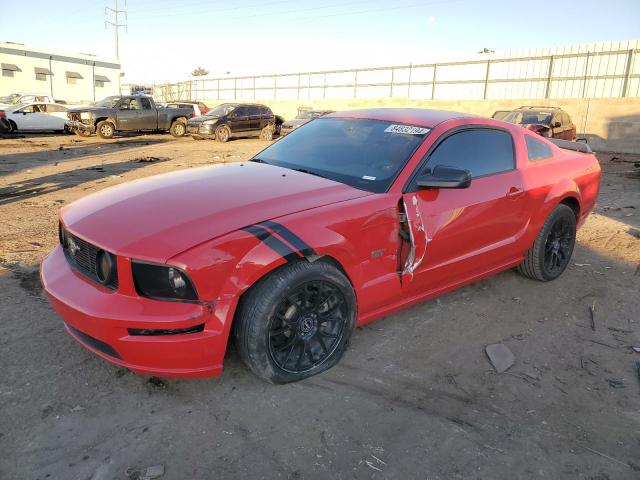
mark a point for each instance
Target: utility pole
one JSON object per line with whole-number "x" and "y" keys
{"x": 116, "y": 24}
{"x": 116, "y": 27}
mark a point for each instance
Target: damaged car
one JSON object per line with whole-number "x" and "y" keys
{"x": 355, "y": 216}
{"x": 550, "y": 122}
{"x": 304, "y": 116}
{"x": 235, "y": 120}
{"x": 133, "y": 113}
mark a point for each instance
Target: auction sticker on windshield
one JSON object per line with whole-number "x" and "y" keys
{"x": 406, "y": 129}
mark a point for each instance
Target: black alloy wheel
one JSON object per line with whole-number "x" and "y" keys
{"x": 307, "y": 326}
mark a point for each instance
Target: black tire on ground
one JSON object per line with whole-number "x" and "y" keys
{"x": 223, "y": 133}
{"x": 82, "y": 133}
{"x": 105, "y": 129}
{"x": 178, "y": 127}
{"x": 267, "y": 133}
{"x": 12, "y": 127}
{"x": 551, "y": 251}
{"x": 295, "y": 322}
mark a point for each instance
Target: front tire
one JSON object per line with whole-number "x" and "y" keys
{"x": 223, "y": 134}
{"x": 178, "y": 128}
{"x": 551, "y": 252}
{"x": 296, "y": 322}
{"x": 82, "y": 133}
{"x": 105, "y": 130}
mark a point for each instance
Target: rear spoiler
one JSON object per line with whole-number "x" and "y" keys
{"x": 575, "y": 146}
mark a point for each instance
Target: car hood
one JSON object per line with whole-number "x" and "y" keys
{"x": 87, "y": 109}
{"x": 296, "y": 122}
{"x": 158, "y": 217}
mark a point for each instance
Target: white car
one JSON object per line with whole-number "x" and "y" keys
{"x": 21, "y": 98}
{"x": 35, "y": 116}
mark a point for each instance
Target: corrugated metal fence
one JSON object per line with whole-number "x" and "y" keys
{"x": 610, "y": 69}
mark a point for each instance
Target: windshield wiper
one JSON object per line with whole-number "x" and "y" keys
{"x": 259, "y": 160}
{"x": 304, "y": 170}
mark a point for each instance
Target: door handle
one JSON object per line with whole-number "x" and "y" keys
{"x": 515, "y": 192}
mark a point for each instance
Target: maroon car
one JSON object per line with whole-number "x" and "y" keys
{"x": 549, "y": 122}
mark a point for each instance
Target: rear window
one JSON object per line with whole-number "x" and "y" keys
{"x": 366, "y": 154}
{"x": 536, "y": 149}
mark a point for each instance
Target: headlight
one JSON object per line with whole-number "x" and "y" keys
{"x": 162, "y": 282}
{"x": 85, "y": 115}
{"x": 209, "y": 122}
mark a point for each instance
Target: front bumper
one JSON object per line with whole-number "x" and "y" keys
{"x": 73, "y": 125}
{"x": 201, "y": 131}
{"x": 100, "y": 319}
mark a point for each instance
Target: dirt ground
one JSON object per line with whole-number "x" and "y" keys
{"x": 414, "y": 396}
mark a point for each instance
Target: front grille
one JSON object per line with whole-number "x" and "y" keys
{"x": 82, "y": 255}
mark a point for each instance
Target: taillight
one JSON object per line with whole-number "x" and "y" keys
{"x": 193, "y": 113}
{"x": 3, "y": 114}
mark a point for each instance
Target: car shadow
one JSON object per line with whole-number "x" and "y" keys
{"x": 77, "y": 149}
{"x": 35, "y": 187}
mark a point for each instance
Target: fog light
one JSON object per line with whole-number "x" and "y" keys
{"x": 104, "y": 266}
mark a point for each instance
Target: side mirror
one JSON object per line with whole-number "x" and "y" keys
{"x": 445, "y": 177}
{"x": 556, "y": 125}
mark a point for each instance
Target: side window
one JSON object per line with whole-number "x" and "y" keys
{"x": 266, "y": 111}
{"x": 146, "y": 104}
{"x": 536, "y": 149}
{"x": 240, "y": 112}
{"x": 481, "y": 151}
{"x": 254, "y": 112}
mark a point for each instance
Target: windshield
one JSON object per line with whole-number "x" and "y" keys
{"x": 108, "y": 102}
{"x": 366, "y": 154}
{"x": 221, "y": 110}
{"x": 10, "y": 99}
{"x": 528, "y": 117}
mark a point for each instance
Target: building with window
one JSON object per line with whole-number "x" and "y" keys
{"x": 73, "y": 77}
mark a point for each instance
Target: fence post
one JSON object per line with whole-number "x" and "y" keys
{"x": 324, "y": 87}
{"x": 433, "y": 82}
{"x": 298, "y": 86}
{"x": 627, "y": 73}
{"x": 393, "y": 76}
{"x": 355, "y": 85}
{"x": 586, "y": 72}
{"x": 548, "y": 88}
{"x": 409, "y": 82}
{"x": 486, "y": 80}
{"x": 218, "y": 85}
{"x": 254, "y": 87}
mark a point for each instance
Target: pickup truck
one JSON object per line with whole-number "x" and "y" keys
{"x": 126, "y": 114}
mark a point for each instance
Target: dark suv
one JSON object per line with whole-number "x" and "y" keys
{"x": 545, "y": 121}
{"x": 230, "y": 120}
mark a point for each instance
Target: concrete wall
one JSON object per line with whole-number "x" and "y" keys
{"x": 57, "y": 85}
{"x": 611, "y": 124}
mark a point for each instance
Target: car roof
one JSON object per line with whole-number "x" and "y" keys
{"x": 421, "y": 117}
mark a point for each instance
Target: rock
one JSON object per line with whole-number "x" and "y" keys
{"x": 500, "y": 356}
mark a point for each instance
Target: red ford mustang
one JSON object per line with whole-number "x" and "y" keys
{"x": 347, "y": 219}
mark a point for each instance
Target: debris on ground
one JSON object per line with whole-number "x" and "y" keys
{"x": 149, "y": 473}
{"x": 150, "y": 159}
{"x": 636, "y": 349}
{"x": 500, "y": 357}
{"x": 157, "y": 383}
{"x": 592, "y": 313}
{"x": 616, "y": 383}
{"x": 97, "y": 168}
{"x": 634, "y": 231}
{"x": 638, "y": 369}
{"x": 582, "y": 264}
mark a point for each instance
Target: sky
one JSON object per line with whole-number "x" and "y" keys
{"x": 165, "y": 40}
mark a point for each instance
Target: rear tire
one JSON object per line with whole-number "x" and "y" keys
{"x": 296, "y": 322}
{"x": 266, "y": 133}
{"x": 551, "y": 252}
{"x": 223, "y": 134}
{"x": 105, "y": 129}
{"x": 12, "y": 127}
{"x": 178, "y": 128}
